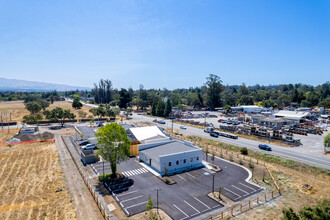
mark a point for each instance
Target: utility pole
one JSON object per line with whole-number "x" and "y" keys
{"x": 172, "y": 125}
{"x": 157, "y": 199}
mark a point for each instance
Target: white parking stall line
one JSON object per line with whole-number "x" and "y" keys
{"x": 192, "y": 206}
{"x": 202, "y": 203}
{"x": 136, "y": 205}
{"x": 127, "y": 193}
{"x": 248, "y": 187}
{"x": 132, "y": 198}
{"x": 191, "y": 175}
{"x": 215, "y": 206}
{"x": 126, "y": 211}
{"x": 181, "y": 210}
{"x": 240, "y": 190}
{"x": 94, "y": 169}
{"x": 238, "y": 196}
{"x": 181, "y": 177}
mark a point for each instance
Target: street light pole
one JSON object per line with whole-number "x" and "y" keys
{"x": 213, "y": 184}
{"x": 157, "y": 199}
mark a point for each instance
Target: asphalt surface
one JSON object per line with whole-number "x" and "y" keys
{"x": 293, "y": 153}
{"x": 185, "y": 199}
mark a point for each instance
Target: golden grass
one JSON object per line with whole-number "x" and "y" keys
{"x": 18, "y": 110}
{"x": 32, "y": 185}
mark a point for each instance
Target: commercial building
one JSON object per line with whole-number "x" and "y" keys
{"x": 176, "y": 156}
{"x": 248, "y": 109}
{"x": 294, "y": 116}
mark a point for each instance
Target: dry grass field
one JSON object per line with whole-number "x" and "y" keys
{"x": 18, "y": 110}
{"x": 32, "y": 185}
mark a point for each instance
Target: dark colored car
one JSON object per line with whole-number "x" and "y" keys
{"x": 213, "y": 134}
{"x": 82, "y": 143}
{"x": 265, "y": 147}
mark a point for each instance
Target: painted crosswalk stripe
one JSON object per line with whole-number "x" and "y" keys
{"x": 134, "y": 173}
{"x": 125, "y": 174}
{"x": 138, "y": 171}
{"x": 145, "y": 169}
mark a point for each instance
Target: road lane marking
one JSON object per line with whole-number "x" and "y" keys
{"x": 238, "y": 196}
{"x": 181, "y": 177}
{"x": 248, "y": 187}
{"x": 132, "y": 198}
{"x": 192, "y": 206}
{"x": 181, "y": 210}
{"x": 136, "y": 204}
{"x": 240, "y": 190}
{"x": 202, "y": 203}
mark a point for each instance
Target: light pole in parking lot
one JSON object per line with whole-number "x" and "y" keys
{"x": 213, "y": 182}
{"x": 157, "y": 199}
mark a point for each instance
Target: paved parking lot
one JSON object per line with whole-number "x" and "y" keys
{"x": 184, "y": 200}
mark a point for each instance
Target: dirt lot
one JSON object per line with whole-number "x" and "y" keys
{"x": 18, "y": 110}
{"x": 5, "y": 135}
{"x": 32, "y": 185}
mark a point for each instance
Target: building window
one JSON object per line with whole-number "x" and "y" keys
{"x": 197, "y": 158}
{"x": 169, "y": 164}
{"x": 191, "y": 159}
{"x": 184, "y": 161}
{"x": 177, "y": 162}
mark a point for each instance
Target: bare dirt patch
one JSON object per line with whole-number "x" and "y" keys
{"x": 5, "y": 135}
{"x": 32, "y": 185}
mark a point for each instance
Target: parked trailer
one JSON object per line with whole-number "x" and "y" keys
{"x": 223, "y": 134}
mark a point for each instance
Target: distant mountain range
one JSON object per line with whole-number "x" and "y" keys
{"x": 23, "y": 85}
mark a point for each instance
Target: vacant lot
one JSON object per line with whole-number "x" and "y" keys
{"x": 32, "y": 185}
{"x": 17, "y": 109}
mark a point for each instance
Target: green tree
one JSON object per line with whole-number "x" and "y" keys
{"x": 32, "y": 119}
{"x": 289, "y": 214}
{"x": 325, "y": 103}
{"x": 213, "y": 91}
{"x": 33, "y": 107}
{"x": 245, "y": 100}
{"x": 244, "y": 151}
{"x": 114, "y": 146}
{"x": 153, "y": 109}
{"x": 76, "y": 104}
{"x": 124, "y": 98}
{"x": 168, "y": 108}
{"x": 160, "y": 109}
{"x": 59, "y": 114}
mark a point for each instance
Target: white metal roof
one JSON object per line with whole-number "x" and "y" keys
{"x": 143, "y": 133}
{"x": 291, "y": 114}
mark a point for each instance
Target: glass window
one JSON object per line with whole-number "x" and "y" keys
{"x": 197, "y": 158}
{"x": 184, "y": 161}
{"x": 169, "y": 164}
{"x": 191, "y": 159}
{"x": 177, "y": 162}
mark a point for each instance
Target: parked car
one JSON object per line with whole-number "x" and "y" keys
{"x": 236, "y": 122}
{"x": 220, "y": 120}
{"x": 161, "y": 122}
{"x": 229, "y": 122}
{"x": 224, "y": 121}
{"x": 183, "y": 127}
{"x": 89, "y": 147}
{"x": 213, "y": 134}
{"x": 82, "y": 143}
{"x": 265, "y": 147}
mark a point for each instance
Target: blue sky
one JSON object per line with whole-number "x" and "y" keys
{"x": 172, "y": 44}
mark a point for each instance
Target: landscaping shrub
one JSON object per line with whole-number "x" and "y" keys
{"x": 244, "y": 151}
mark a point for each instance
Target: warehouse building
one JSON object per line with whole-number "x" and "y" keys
{"x": 248, "y": 109}
{"x": 176, "y": 156}
{"x": 293, "y": 116}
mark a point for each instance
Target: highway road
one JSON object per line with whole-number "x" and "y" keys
{"x": 293, "y": 153}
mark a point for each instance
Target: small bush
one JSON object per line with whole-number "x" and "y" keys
{"x": 105, "y": 177}
{"x": 251, "y": 165}
{"x": 240, "y": 161}
{"x": 231, "y": 158}
{"x": 244, "y": 151}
